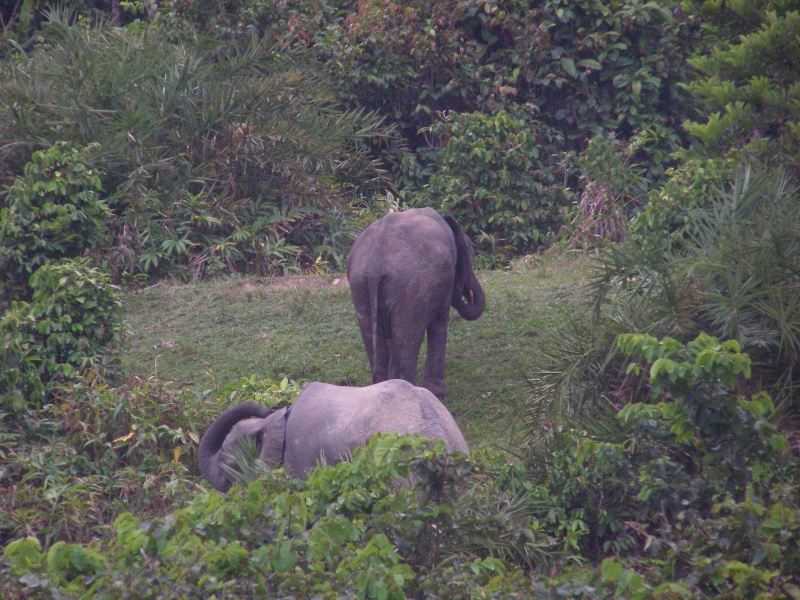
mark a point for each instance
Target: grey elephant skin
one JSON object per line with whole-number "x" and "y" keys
{"x": 406, "y": 270}
{"x": 325, "y": 421}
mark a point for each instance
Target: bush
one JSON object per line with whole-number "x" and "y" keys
{"x": 670, "y": 217}
{"x": 69, "y": 469}
{"x": 696, "y": 498}
{"x": 72, "y": 324}
{"x": 493, "y": 179}
{"x": 712, "y": 253}
{"x": 582, "y": 69}
{"x": 349, "y": 529}
{"x": 611, "y": 193}
{"x": 747, "y": 82}
{"x": 689, "y": 493}
{"x": 216, "y": 154}
{"x": 53, "y": 211}
{"x": 720, "y": 258}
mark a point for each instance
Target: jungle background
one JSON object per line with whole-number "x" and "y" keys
{"x": 181, "y": 183}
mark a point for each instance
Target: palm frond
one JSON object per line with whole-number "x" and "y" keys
{"x": 735, "y": 275}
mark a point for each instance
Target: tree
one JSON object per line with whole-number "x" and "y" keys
{"x": 748, "y": 81}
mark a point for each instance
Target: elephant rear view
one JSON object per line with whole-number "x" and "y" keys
{"x": 406, "y": 270}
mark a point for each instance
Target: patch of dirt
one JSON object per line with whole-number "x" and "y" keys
{"x": 292, "y": 283}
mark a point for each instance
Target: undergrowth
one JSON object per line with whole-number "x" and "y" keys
{"x": 696, "y": 496}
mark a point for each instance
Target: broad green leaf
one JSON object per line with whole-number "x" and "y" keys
{"x": 610, "y": 569}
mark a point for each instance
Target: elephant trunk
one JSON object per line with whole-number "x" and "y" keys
{"x": 214, "y": 437}
{"x": 472, "y": 300}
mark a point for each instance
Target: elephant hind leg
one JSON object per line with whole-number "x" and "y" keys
{"x": 434, "y": 361}
{"x": 382, "y": 366}
{"x": 404, "y": 348}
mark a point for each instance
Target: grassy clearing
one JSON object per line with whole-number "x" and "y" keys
{"x": 210, "y": 334}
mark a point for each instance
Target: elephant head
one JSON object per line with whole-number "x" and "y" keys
{"x": 325, "y": 421}
{"x": 222, "y": 441}
{"x": 468, "y": 298}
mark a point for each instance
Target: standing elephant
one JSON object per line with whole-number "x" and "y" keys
{"x": 405, "y": 272}
{"x": 325, "y": 421}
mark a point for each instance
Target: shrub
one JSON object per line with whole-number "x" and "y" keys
{"x": 582, "y": 69}
{"x": 611, "y": 192}
{"x": 711, "y": 254}
{"x": 669, "y": 218}
{"x": 697, "y": 498}
{"x": 53, "y": 211}
{"x": 349, "y": 529}
{"x": 73, "y": 323}
{"x": 493, "y": 180}
{"x": 747, "y": 82}
{"x": 722, "y": 261}
{"x": 221, "y": 154}
{"x": 686, "y": 491}
{"x": 70, "y": 468}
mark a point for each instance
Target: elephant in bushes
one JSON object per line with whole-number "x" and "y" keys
{"x": 405, "y": 272}
{"x": 325, "y": 421}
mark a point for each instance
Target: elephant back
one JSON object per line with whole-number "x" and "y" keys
{"x": 339, "y": 418}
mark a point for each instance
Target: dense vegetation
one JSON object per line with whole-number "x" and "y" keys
{"x": 656, "y": 452}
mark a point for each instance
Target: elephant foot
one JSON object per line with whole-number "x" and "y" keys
{"x": 438, "y": 388}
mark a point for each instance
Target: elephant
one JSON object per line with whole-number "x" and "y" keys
{"x": 325, "y": 422}
{"x": 405, "y": 271}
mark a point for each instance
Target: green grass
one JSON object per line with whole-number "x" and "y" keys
{"x": 209, "y": 334}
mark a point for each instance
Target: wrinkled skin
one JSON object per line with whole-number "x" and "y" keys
{"x": 326, "y": 421}
{"x": 406, "y": 271}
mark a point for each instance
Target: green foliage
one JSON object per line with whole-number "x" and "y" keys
{"x": 702, "y": 358}
{"x": 69, "y": 469}
{"x": 267, "y": 392}
{"x": 670, "y": 216}
{"x": 686, "y": 498}
{"x": 73, "y": 323}
{"x": 491, "y": 179}
{"x": 580, "y": 68}
{"x": 21, "y": 20}
{"x": 661, "y": 450}
{"x": 585, "y": 68}
{"x": 748, "y": 83}
{"x": 72, "y": 467}
{"x": 216, "y": 154}
{"x": 606, "y": 164}
{"x": 612, "y": 189}
{"x": 584, "y": 487}
{"x": 20, "y": 381}
{"x": 681, "y": 487}
{"x": 349, "y": 529}
{"x": 186, "y": 161}
{"x": 653, "y": 464}
{"x": 746, "y": 251}
{"x": 53, "y": 211}
{"x": 299, "y": 21}
{"x": 696, "y": 405}
{"x": 748, "y": 247}
{"x": 728, "y": 268}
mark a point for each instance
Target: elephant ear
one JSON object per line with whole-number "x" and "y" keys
{"x": 463, "y": 259}
{"x": 272, "y": 438}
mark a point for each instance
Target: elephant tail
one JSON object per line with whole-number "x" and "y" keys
{"x": 213, "y": 438}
